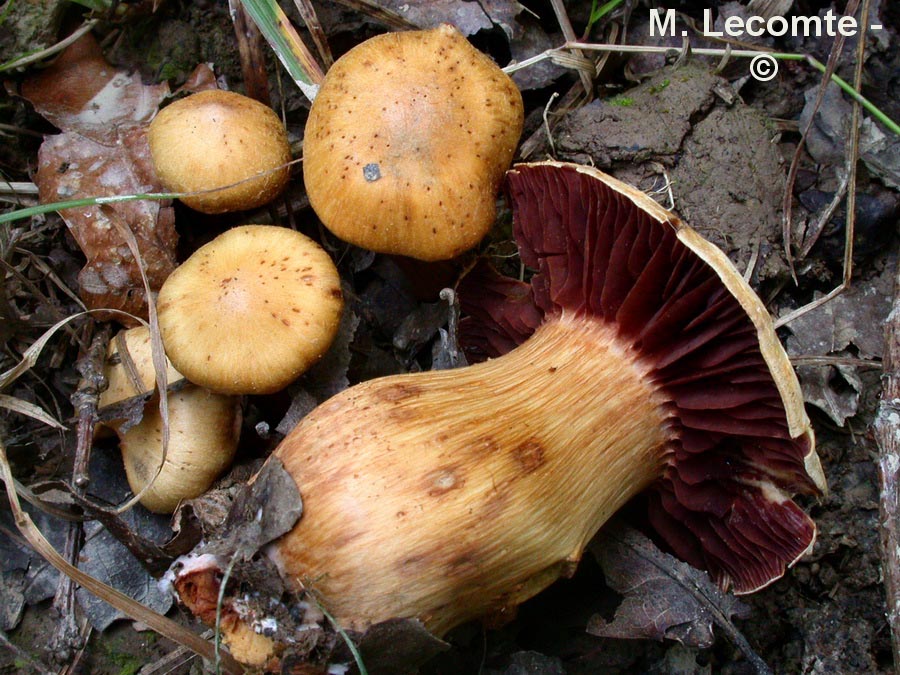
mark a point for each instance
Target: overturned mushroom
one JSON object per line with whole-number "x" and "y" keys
{"x": 407, "y": 141}
{"x": 647, "y": 365}
{"x": 203, "y": 437}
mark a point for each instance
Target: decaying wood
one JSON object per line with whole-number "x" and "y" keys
{"x": 887, "y": 434}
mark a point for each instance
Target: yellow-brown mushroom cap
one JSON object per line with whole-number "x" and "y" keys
{"x": 125, "y": 379}
{"x": 217, "y": 138}
{"x": 250, "y": 311}
{"x": 203, "y": 437}
{"x": 407, "y": 141}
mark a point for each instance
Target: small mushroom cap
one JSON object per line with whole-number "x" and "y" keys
{"x": 125, "y": 382}
{"x": 203, "y": 436}
{"x": 407, "y": 141}
{"x": 217, "y": 138}
{"x": 251, "y": 310}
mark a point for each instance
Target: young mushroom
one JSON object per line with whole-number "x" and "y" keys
{"x": 646, "y": 365}
{"x": 251, "y": 310}
{"x": 129, "y": 369}
{"x": 407, "y": 141}
{"x": 203, "y": 427}
{"x": 219, "y": 138}
{"x": 203, "y": 437}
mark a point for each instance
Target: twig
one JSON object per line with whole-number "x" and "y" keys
{"x": 68, "y": 634}
{"x": 85, "y": 400}
{"x": 787, "y": 199}
{"x": 852, "y": 159}
{"x": 887, "y": 436}
{"x": 813, "y": 233}
{"x": 50, "y": 51}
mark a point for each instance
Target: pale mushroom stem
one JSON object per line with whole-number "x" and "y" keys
{"x": 454, "y": 494}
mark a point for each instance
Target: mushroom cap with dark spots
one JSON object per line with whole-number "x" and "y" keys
{"x": 407, "y": 141}
{"x": 220, "y": 139}
{"x": 251, "y": 310}
{"x": 741, "y": 443}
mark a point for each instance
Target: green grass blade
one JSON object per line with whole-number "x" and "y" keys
{"x": 598, "y": 13}
{"x": 40, "y": 209}
{"x": 286, "y": 43}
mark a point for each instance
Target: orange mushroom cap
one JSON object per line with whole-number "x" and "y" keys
{"x": 407, "y": 141}
{"x": 218, "y": 138}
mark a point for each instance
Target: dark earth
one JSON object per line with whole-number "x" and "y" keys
{"x": 704, "y": 138}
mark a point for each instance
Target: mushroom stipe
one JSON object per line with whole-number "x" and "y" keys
{"x": 646, "y": 366}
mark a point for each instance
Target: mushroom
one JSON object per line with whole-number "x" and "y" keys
{"x": 129, "y": 368}
{"x": 203, "y": 436}
{"x": 646, "y": 365}
{"x": 407, "y": 141}
{"x": 203, "y": 427}
{"x": 196, "y": 580}
{"x": 218, "y": 138}
{"x": 251, "y": 310}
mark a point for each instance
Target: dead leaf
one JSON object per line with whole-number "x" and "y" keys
{"x": 262, "y": 511}
{"x": 534, "y": 663}
{"x": 834, "y": 390}
{"x": 328, "y": 376}
{"x": 12, "y": 598}
{"x": 420, "y": 326}
{"x": 829, "y": 132}
{"x": 104, "y": 558}
{"x": 103, "y": 151}
{"x": 851, "y": 324}
{"x": 468, "y": 17}
{"x": 392, "y": 646}
{"x": 663, "y": 598}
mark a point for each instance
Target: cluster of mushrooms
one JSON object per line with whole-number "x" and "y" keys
{"x": 635, "y": 361}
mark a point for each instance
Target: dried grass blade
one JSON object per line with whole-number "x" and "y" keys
{"x": 314, "y": 26}
{"x": 31, "y": 355}
{"x": 382, "y": 14}
{"x": 562, "y": 18}
{"x": 158, "y": 356}
{"x": 30, "y": 410}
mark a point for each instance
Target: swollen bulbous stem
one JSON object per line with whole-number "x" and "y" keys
{"x": 449, "y": 495}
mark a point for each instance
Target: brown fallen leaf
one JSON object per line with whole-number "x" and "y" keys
{"x": 849, "y": 326}
{"x": 103, "y": 151}
{"x": 662, "y": 596}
